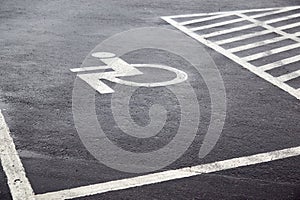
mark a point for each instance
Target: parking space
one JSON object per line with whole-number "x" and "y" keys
{"x": 254, "y": 46}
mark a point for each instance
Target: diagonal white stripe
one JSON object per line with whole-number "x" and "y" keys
{"x": 238, "y": 20}
{"x": 217, "y": 24}
{"x": 204, "y": 19}
{"x": 271, "y": 52}
{"x": 256, "y": 44}
{"x": 243, "y": 37}
{"x": 280, "y": 63}
{"x": 213, "y": 34}
{"x": 290, "y": 76}
{"x": 282, "y": 18}
{"x": 240, "y": 11}
{"x": 265, "y": 25}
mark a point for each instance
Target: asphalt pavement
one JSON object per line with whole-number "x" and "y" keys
{"x": 42, "y": 40}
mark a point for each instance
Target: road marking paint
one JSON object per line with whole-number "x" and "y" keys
{"x": 243, "y": 37}
{"x": 95, "y": 83}
{"x": 225, "y": 12}
{"x": 121, "y": 69}
{"x": 21, "y": 189}
{"x": 170, "y": 175}
{"x": 18, "y": 183}
{"x": 92, "y": 68}
{"x": 256, "y": 44}
{"x": 282, "y": 18}
{"x": 267, "y": 26}
{"x": 290, "y": 76}
{"x": 289, "y": 26}
{"x": 271, "y": 52}
{"x": 238, "y": 38}
{"x": 204, "y": 19}
{"x": 217, "y": 24}
{"x": 230, "y": 30}
{"x": 273, "y": 12}
{"x": 234, "y": 20}
{"x": 280, "y": 63}
{"x": 260, "y": 71}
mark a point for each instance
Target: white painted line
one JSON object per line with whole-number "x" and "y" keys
{"x": 85, "y": 69}
{"x": 95, "y": 83}
{"x": 256, "y": 44}
{"x": 265, "y": 25}
{"x": 289, "y": 26}
{"x": 230, "y": 30}
{"x": 282, "y": 18}
{"x": 217, "y": 13}
{"x": 18, "y": 183}
{"x": 229, "y": 52}
{"x": 243, "y": 37}
{"x": 204, "y": 19}
{"x": 290, "y": 76}
{"x": 280, "y": 63}
{"x": 217, "y": 33}
{"x": 271, "y": 52}
{"x": 122, "y": 69}
{"x": 262, "y": 43}
{"x": 194, "y": 15}
{"x": 232, "y": 21}
{"x": 258, "y": 10}
{"x": 249, "y": 35}
{"x": 266, "y": 9}
{"x": 273, "y": 12}
{"x": 225, "y": 12}
{"x": 119, "y": 66}
{"x": 218, "y": 24}
{"x": 170, "y": 175}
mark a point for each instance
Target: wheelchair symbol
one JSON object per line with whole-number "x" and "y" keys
{"x": 121, "y": 69}
{"x": 173, "y": 107}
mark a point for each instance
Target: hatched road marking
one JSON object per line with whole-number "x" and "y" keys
{"x": 184, "y": 23}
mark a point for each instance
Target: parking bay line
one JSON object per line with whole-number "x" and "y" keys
{"x": 17, "y": 181}
{"x": 170, "y": 175}
{"x": 21, "y": 189}
{"x": 225, "y": 12}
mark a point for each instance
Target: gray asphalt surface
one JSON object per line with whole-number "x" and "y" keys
{"x": 42, "y": 40}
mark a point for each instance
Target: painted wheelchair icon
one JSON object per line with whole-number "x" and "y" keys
{"x": 92, "y": 79}
{"x": 121, "y": 69}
